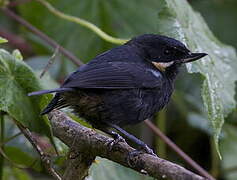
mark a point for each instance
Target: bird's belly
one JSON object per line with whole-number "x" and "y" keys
{"x": 121, "y": 107}
{"x": 126, "y": 107}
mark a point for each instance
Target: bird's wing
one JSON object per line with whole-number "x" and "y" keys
{"x": 114, "y": 75}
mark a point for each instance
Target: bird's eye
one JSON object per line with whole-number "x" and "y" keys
{"x": 167, "y": 52}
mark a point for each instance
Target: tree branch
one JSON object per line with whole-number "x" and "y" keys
{"x": 176, "y": 149}
{"x": 89, "y": 143}
{"x": 44, "y": 157}
{"x": 78, "y": 165}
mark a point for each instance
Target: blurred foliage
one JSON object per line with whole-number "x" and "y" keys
{"x": 3, "y": 40}
{"x": 113, "y": 18}
{"x": 221, "y": 18}
{"x": 107, "y": 170}
{"x": 186, "y": 117}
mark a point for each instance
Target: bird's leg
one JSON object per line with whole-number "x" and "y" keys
{"x": 116, "y": 137}
{"x": 140, "y": 143}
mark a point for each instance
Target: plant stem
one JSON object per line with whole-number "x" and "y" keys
{"x": 176, "y": 149}
{"x": 215, "y": 160}
{"x": 1, "y": 140}
{"x": 43, "y": 36}
{"x": 84, "y": 23}
{"x": 10, "y": 138}
{"x": 160, "y": 144}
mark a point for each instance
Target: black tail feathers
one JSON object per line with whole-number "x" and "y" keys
{"x": 56, "y": 102}
{"x": 50, "y": 91}
{"x": 52, "y": 105}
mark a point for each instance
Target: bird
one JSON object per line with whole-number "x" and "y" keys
{"x": 124, "y": 85}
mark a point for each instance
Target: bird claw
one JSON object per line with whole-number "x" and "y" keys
{"x": 148, "y": 150}
{"x": 132, "y": 154}
{"x": 115, "y": 141}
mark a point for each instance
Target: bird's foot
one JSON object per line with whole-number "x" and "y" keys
{"x": 116, "y": 140}
{"x": 143, "y": 149}
{"x": 148, "y": 150}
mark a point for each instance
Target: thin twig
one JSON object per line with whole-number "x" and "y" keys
{"x": 44, "y": 157}
{"x": 43, "y": 36}
{"x": 88, "y": 142}
{"x": 84, "y": 23}
{"x": 50, "y": 62}
{"x": 16, "y": 41}
{"x": 10, "y": 138}
{"x": 182, "y": 154}
{"x": 17, "y": 3}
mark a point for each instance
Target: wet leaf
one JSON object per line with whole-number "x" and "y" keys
{"x": 107, "y": 170}
{"x": 17, "y": 54}
{"x": 21, "y": 158}
{"x": 16, "y": 80}
{"x": 177, "y": 19}
{"x": 228, "y": 148}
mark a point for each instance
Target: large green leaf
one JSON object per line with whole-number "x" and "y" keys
{"x": 228, "y": 149}
{"x": 21, "y": 158}
{"x": 177, "y": 19}
{"x": 112, "y": 17}
{"x": 221, "y": 17}
{"x": 107, "y": 170}
{"x": 16, "y": 80}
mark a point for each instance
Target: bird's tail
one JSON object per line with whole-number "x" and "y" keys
{"x": 56, "y": 102}
{"x": 52, "y": 105}
{"x": 50, "y": 91}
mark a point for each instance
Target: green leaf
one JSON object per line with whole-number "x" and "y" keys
{"x": 20, "y": 174}
{"x": 107, "y": 170}
{"x": 3, "y": 40}
{"x": 177, "y": 19}
{"x": 16, "y": 80}
{"x": 221, "y": 17}
{"x": 17, "y": 54}
{"x": 20, "y": 157}
{"x": 228, "y": 148}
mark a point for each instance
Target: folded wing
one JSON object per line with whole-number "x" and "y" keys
{"x": 114, "y": 75}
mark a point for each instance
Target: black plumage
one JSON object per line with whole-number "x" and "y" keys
{"x": 124, "y": 85}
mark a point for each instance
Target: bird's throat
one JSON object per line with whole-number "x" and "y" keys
{"x": 162, "y": 65}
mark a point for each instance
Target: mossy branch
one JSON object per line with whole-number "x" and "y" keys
{"x": 87, "y": 142}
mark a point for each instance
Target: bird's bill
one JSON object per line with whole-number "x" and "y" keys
{"x": 190, "y": 58}
{"x": 193, "y": 57}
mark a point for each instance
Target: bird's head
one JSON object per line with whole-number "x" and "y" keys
{"x": 163, "y": 51}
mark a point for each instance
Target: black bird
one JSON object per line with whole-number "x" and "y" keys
{"x": 125, "y": 85}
